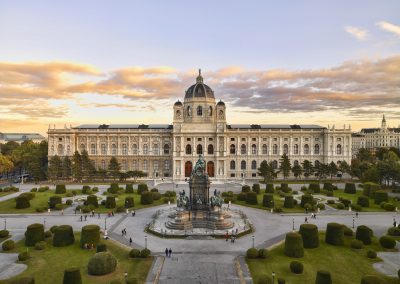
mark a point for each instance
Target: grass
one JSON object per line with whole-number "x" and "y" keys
{"x": 47, "y": 266}
{"x": 6, "y": 193}
{"x": 345, "y": 264}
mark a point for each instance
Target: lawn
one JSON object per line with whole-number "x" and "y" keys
{"x": 345, "y": 264}
{"x": 6, "y": 193}
{"x": 47, "y": 266}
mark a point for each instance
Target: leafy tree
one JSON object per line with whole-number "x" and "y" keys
{"x": 307, "y": 168}
{"x": 55, "y": 168}
{"x": 6, "y": 164}
{"x": 114, "y": 167}
{"x": 344, "y": 167}
{"x": 371, "y": 175}
{"x": 266, "y": 170}
{"x": 332, "y": 169}
{"x": 8, "y": 148}
{"x": 365, "y": 155}
{"x": 77, "y": 166}
{"x": 136, "y": 174}
{"x": 66, "y": 168}
{"x": 88, "y": 168}
{"x": 297, "y": 170}
{"x": 102, "y": 173}
{"x": 321, "y": 170}
{"x": 285, "y": 166}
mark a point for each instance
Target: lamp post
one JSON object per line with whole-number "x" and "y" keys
{"x": 273, "y": 277}
{"x": 293, "y": 225}
{"x": 105, "y": 223}
{"x": 353, "y": 222}
{"x": 252, "y": 237}
{"x": 145, "y": 241}
{"x": 5, "y": 224}
{"x": 44, "y": 223}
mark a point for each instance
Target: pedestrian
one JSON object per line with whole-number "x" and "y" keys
{"x": 315, "y": 216}
{"x": 237, "y": 230}
{"x": 81, "y": 218}
{"x": 166, "y": 252}
{"x": 134, "y": 212}
{"x": 305, "y": 220}
{"x": 99, "y": 215}
{"x": 62, "y": 211}
{"x": 130, "y": 241}
{"x": 112, "y": 213}
{"x": 306, "y": 210}
{"x": 232, "y": 238}
{"x": 169, "y": 252}
{"x": 395, "y": 224}
{"x": 85, "y": 217}
{"x": 356, "y": 214}
{"x": 226, "y": 236}
{"x": 123, "y": 232}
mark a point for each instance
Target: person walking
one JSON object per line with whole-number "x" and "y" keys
{"x": 81, "y": 218}
{"x": 85, "y": 217}
{"x": 99, "y": 215}
{"x": 305, "y": 220}
{"x": 130, "y": 241}
{"x": 123, "y": 233}
{"x": 226, "y": 236}
{"x": 166, "y": 252}
{"x": 169, "y": 252}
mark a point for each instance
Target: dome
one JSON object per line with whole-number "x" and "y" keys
{"x": 220, "y": 103}
{"x": 178, "y": 103}
{"x": 199, "y": 90}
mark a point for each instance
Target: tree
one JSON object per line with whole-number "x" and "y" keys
{"x": 136, "y": 174}
{"x": 371, "y": 175}
{"x": 8, "y": 148}
{"x": 285, "y": 166}
{"x": 88, "y": 168}
{"x": 55, "y": 168}
{"x": 77, "y": 166}
{"x": 365, "y": 155}
{"x": 297, "y": 170}
{"x": 66, "y": 168}
{"x": 321, "y": 170}
{"x": 102, "y": 173}
{"x": 266, "y": 170}
{"x": 114, "y": 167}
{"x": 307, "y": 168}
{"x": 332, "y": 169}
{"x": 6, "y": 164}
{"x": 344, "y": 168}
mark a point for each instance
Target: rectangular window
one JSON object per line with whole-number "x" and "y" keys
{"x": 232, "y": 139}
{"x": 145, "y": 165}
{"x": 243, "y": 139}
{"x": 156, "y": 165}
{"x": 187, "y": 139}
{"x": 254, "y": 139}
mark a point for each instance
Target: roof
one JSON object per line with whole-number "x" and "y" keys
{"x": 274, "y": 126}
{"x": 124, "y": 126}
{"x": 373, "y": 130}
{"x": 21, "y": 136}
{"x": 199, "y": 90}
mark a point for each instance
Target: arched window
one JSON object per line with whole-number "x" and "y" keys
{"x": 113, "y": 149}
{"x": 232, "y": 149}
{"x": 124, "y": 165}
{"x": 189, "y": 111}
{"x": 210, "y": 111}
{"x": 188, "y": 149}
{"x": 166, "y": 149}
{"x": 93, "y": 149}
{"x": 254, "y": 149}
{"x": 210, "y": 149}
{"x": 82, "y": 147}
{"x": 103, "y": 149}
{"x": 60, "y": 150}
{"x": 275, "y": 164}
{"x": 178, "y": 113}
{"x": 285, "y": 149}
{"x": 200, "y": 111}
{"x": 316, "y": 149}
{"x": 243, "y": 149}
{"x": 243, "y": 165}
{"x": 145, "y": 149}
{"x": 124, "y": 149}
{"x": 296, "y": 149}
{"x": 306, "y": 149}
{"x": 339, "y": 149}
{"x": 275, "y": 149}
{"x": 264, "y": 149}
{"x": 233, "y": 165}
{"x": 199, "y": 149}
{"x": 134, "y": 149}
{"x": 254, "y": 165}
{"x": 156, "y": 151}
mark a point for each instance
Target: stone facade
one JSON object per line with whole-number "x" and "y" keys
{"x": 200, "y": 128}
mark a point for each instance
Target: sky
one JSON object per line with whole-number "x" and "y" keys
{"x": 272, "y": 62}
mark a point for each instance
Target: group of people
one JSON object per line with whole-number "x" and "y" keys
{"x": 168, "y": 252}
{"x": 231, "y": 236}
{"x": 124, "y": 232}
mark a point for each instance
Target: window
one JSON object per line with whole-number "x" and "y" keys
{"x": 296, "y": 149}
{"x": 145, "y": 149}
{"x": 188, "y": 139}
{"x": 199, "y": 139}
{"x": 253, "y": 139}
{"x": 166, "y": 149}
{"x": 155, "y": 165}
{"x": 210, "y": 139}
{"x": 232, "y": 139}
{"x": 156, "y": 151}
{"x": 60, "y": 150}
{"x": 275, "y": 139}
{"x": 264, "y": 149}
{"x": 59, "y": 139}
{"x": 285, "y": 149}
{"x": 124, "y": 149}
{"x": 166, "y": 165}
{"x": 145, "y": 165}
{"x": 339, "y": 149}
{"x": 243, "y": 165}
{"x": 82, "y": 148}
{"x": 124, "y": 165}
{"x": 199, "y": 111}
{"x": 243, "y": 149}
{"x": 210, "y": 149}
{"x": 68, "y": 150}
{"x": 243, "y": 139}
{"x": 103, "y": 149}
{"x": 134, "y": 165}
{"x": 232, "y": 165}
{"x": 232, "y": 149}
{"x": 93, "y": 149}
{"x": 189, "y": 111}
{"x": 134, "y": 149}
{"x": 210, "y": 111}
{"x": 306, "y": 149}
{"x": 254, "y": 149}
{"x": 306, "y": 139}
{"x": 103, "y": 164}
{"x": 316, "y": 149}
{"x": 296, "y": 139}
{"x": 275, "y": 149}
{"x": 316, "y": 139}
{"x": 339, "y": 139}
{"x": 113, "y": 149}
{"x": 188, "y": 149}
{"x": 254, "y": 165}
{"x": 285, "y": 139}
{"x": 199, "y": 149}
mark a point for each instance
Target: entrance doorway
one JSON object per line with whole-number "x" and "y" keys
{"x": 210, "y": 169}
{"x": 188, "y": 169}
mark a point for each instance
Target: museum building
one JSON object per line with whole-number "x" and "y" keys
{"x": 231, "y": 151}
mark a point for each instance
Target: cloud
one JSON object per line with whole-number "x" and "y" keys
{"x": 392, "y": 28}
{"x": 358, "y": 33}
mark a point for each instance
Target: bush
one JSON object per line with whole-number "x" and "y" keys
{"x": 387, "y": 242}
{"x": 170, "y": 193}
{"x": 371, "y": 279}
{"x": 241, "y": 196}
{"x": 340, "y": 206}
{"x": 168, "y": 199}
{"x": 142, "y": 187}
{"x": 306, "y": 198}
{"x": 72, "y": 276}
{"x": 24, "y": 256}
{"x": 129, "y": 188}
{"x": 389, "y": 207}
{"x": 321, "y": 206}
{"x": 156, "y": 195}
{"x": 68, "y": 202}
{"x": 323, "y": 277}
{"x": 34, "y": 233}
{"x": 330, "y": 201}
{"x": 268, "y": 200}
{"x": 110, "y": 202}
{"x": 113, "y": 189}
{"x": 393, "y": 231}
{"x": 356, "y": 244}
{"x": 85, "y": 189}
{"x": 369, "y": 189}
{"x": 371, "y": 254}
{"x": 278, "y": 209}
{"x": 334, "y": 234}
{"x": 120, "y": 209}
{"x": 8, "y": 245}
{"x": 346, "y": 202}
{"x": 34, "y": 189}
{"x": 288, "y": 203}
{"x": 262, "y": 253}
{"x": 63, "y": 236}
{"x": 102, "y": 263}
{"x": 4, "y": 234}
{"x": 43, "y": 189}
{"x": 251, "y": 198}
{"x": 53, "y": 229}
{"x": 40, "y": 245}
{"x": 350, "y": 188}
{"x": 296, "y": 267}
{"x": 269, "y": 188}
{"x": 364, "y": 234}
{"x": 328, "y": 186}
{"x": 146, "y": 198}
{"x": 285, "y": 187}
{"x": 348, "y": 232}
{"x": 22, "y": 202}
{"x": 309, "y": 234}
{"x": 23, "y": 280}
{"x": 54, "y": 200}
{"x": 246, "y": 188}
{"x": 356, "y": 207}
{"x": 101, "y": 247}
{"x": 129, "y": 202}
{"x": 90, "y": 234}
{"x": 92, "y": 200}
{"x": 60, "y": 189}
{"x": 134, "y": 253}
{"x": 144, "y": 253}
{"x": 48, "y": 234}
{"x": 381, "y": 196}
{"x": 252, "y": 253}
{"x": 294, "y": 245}
{"x": 256, "y": 188}
{"x": 329, "y": 193}
{"x": 315, "y": 187}
{"x": 29, "y": 195}
{"x": 363, "y": 201}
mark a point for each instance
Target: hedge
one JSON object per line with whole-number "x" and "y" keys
{"x": 113, "y": 189}
{"x": 315, "y": 187}
{"x": 371, "y": 254}
{"x": 101, "y": 247}
{"x": 387, "y": 242}
{"x": 72, "y": 276}
{"x": 54, "y": 200}
{"x": 129, "y": 188}
{"x": 294, "y": 245}
{"x": 156, "y": 195}
{"x": 328, "y": 186}
{"x": 154, "y": 189}
{"x": 102, "y": 263}
{"x": 110, "y": 202}
{"x": 142, "y": 187}
{"x": 323, "y": 277}
{"x": 144, "y": 253}
{"x": 34, "y": 233}
{"x": 369, "y": 189}
{"x": 8, "y": 245}
{"x": 289, "y": 201}
{"x": 63, "y": 236}
{"x": 246, "y": 188}
{"x": 92, "y": 200}
{"x": 4, "y": 234}
{"x": 241, "y": 196}
{"x": 334, "y": 234}
{"x": 381, "y": 196}
{"x": 256, "y": 188}
{"x": 296, "y": 267}
{"x": 252, "y": 253}
{"x": 24, "y": 256}
{"x": 269, "y": 188}
{"x": 389, "y": 207}
{"x": 364, "y": 234}
{"x": 60, "y": 189}
{"x": 392, "y": 231}
{"x": 90, "y": 234}
{"x": 85, "y": 189}
{"x": 306, "y": 198}
{"x": 40, "y": 245}
{"x": 371, "y": 279}
{"x": 363, "y": 201}
{"x": 134, "y": 253}
{"x": 251, "y": 198}
{"x": 262, "y": 253}
{"x": 285, "y": 187}
{"x": 356, "y": 244}
{"x": 309, "y": 233}
{"x": 129, "y": 202}
{"x": 268, "y": 200}
{"x": 350, "y": 188}
{"x": 146, "y": 198}
{"x": 22, "y": 202}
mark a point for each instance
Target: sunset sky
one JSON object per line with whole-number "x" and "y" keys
{"x": 272, "y": 62}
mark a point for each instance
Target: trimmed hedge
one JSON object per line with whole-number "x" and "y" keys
{"x": 142, "y": 187}
{"x": 113, "y": 189}
{"x": 285, "y": 187}
{"x": 364, "y": 234}
{"x": 241, "y": 196}
{"x": 24, "y": 256}
{"x": 54, "y": 200}
{"x": 334, "y": 234}
{"x": 350, "y": 188}
{"x": 92, "y": 200}
{"x": 110, "y": 202}
{"x": 61, "y": 189}
{"x": 144, "y": 253}
{"x": 309, "y": 233}
{"x": 392, "y": 231}
{"x": 289, "y": 201}
{"x": 251, "y": 198}
{"x": 156, "y": 195}
{"x": 8, "y": 245}
{"x": 356, "y": 244}
{"x": 252, "y": 253}
{"x": 389, "y": 207}
{"x": 323, "y": 277}
{"x": 129, "y": 202}
{"x": 256, "y": 188}
{"x": 369, "y": 189}
{"x": 90, "y": 234}
{"x": 262, "y": 253}
{"x": 4, "y": 234}
{"x": 371, "y": 279}
{"x": 246, "y": 188}
{"x": 40, "y": 245}
{"x": 85, "y": 189}
{"x": 72, "y": 276}
{"x": 101, "y": 247}
{"x": 315, "y": 187}
{"x": 294, "y": 245}
{"x": 63, "y": 236}
{"x": 348, "y": 232}
{"x": 363, "y": 201}
{"x": 268, "y": 200}
{"x": 102, "y": 263}
{"x": 34, "y": 233}
{"x": 296, "y": 267}
{"x": 371, "y": 254}
{"x": 134, "y": 253}
{"x": 129, "y": 188}
{"x": 381, "y": 196}
{"x": 306, "y": 199}
{"x": 22, "y": 202}
{"x": 328, "y": 186}
{"x": 146, "y": 198}
{"x": 387, "y": 242}
{"x": 269, "y": 188}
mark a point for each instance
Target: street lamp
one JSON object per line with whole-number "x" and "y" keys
{"x": 293, "y": 225}
{"x": 105, "y": 223}
{"x": 44, "y": 223}
{"x": 5, "y": 224}
{"x": 273, "y": 277}
{"x": 145, "y": 241}
{"x": 353, "y": 222}
{"x": 252, "y": 237}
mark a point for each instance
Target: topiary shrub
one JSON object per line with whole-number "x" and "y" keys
{"x": 72, "y": 276}
{"x": 334, "y": 234}
{"x": 328, "y": 186}
{"x": 134, "y": 253}
{"x": 371, "y": 279}
{"x": 363, "y": 201}
{"x": 34, "y": 233}
{"x": 387, "y": 242}
{"x": 315, "y": 187}
{"x": 251, "y": 198}
{"x": 309, "y": 234}
{"x": 145, "y": 253}
{"x": 306, "y": 199}
{"x": 90, "y": 234}
{"x": 364, "y": 234}
{"x": 393, "y": 231}
{"x": 40, "y": 245}
{"x": 246, "y": 188}
{"x": 389, "y": 207}
{"x": 24, "y": 256}
{"x": 142, "y": 187}
{"x": 29, "y": 195}
{"x": 4, "y": 234}
{"x": 85, "y": 189}
{"x": 102, "y": 263}
{"x": 269, "y": 188}
{"x": 54, "y": 200}
{"x": 146, "y": 198}
{"x": 347, "y": 231}
{"x": 8, "y": 245}
{"x": 92, "y": 200}
{"x": 285, "y": 187}
{"x": 323, "y": 277}
{"x": 356, "y": 244}
{"x": 346, "y": 202}
{"x": 60, "y": 189}
{"x": 350, "y": 188}
{"x": 252, "y": 253}
{"x": 262, "y": 253}
{"x": 321, "y": 206}
{"x": 340, "y": 206}
{"x": 110, "y": 202}
{"x": 288, "y": 203}
{"x": 268, "y": 200}
{"x": 241, "y": 196}
{"x": 129, "y": 202}
{"x": 296, "y": 267}
{"x": 22, "y": 202}
{"x": 129, "y": 188}
{"x": 113, "y": 189}
{"x": 294, "y": 245}
{"x": 101, "y": 247}
{"x": 156, "y": 195}
{"x": 256, "y": 188}
{"x": 63, "y": 236}
{"x": 371, "y": 254}
{"x": 381, "y": 196}
{"x": 22, "y": 280}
